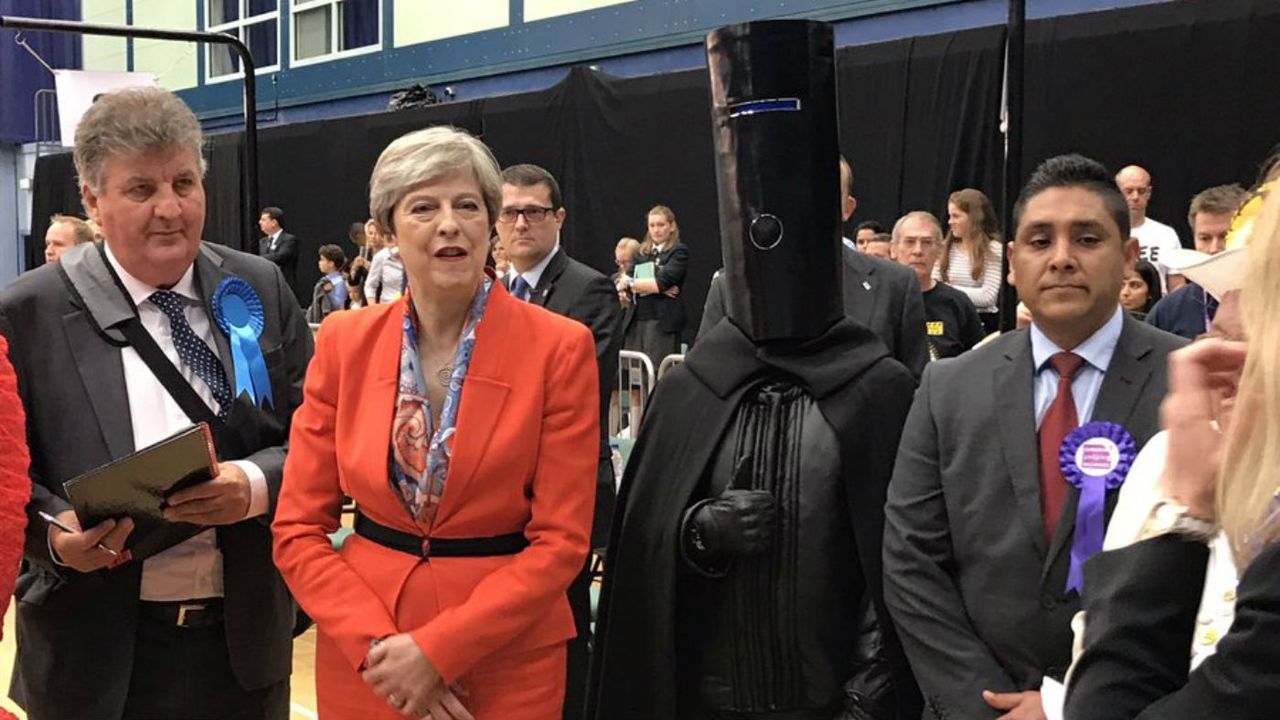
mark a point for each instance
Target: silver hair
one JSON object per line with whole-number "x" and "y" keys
{"x": 428, "y": 155}
{"x": 134, "y": 121}
{"x": 918, "y": 215}
{"x": 424, "y": 156}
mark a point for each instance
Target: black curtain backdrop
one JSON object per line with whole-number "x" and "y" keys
{"x": 1187, "y": 89}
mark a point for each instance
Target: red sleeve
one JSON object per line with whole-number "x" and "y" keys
{"x": 15, "y": 484}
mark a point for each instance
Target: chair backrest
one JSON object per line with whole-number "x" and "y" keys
{"x": 669, "y": 362}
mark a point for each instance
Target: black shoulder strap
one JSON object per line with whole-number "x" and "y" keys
{"x": 176, "y": 385}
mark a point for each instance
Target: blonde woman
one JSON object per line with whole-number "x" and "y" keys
{"x": 970, "y": 260}
{"x": 1141, "y": 601}
{"x": 659, "y": 316}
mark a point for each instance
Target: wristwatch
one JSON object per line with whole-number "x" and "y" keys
{"x": 1171, "y": 518}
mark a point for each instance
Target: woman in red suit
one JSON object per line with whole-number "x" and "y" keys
{"x": 15, "y": 486}
{"x": 475, "y": 497}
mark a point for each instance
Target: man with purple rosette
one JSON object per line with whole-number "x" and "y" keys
{"x": 120, "y": 345}
{"x": 1012, "y": 455}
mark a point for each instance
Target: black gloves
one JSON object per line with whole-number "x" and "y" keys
{"x": 738, "y": 523}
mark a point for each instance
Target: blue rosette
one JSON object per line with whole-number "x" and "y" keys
{"x": 1095, "y": 458}
{"x": 238, "y": 312}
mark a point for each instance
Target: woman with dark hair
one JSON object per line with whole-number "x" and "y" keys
{"x": 655, "y": 278}
{"x": 1141, "y": 289}
{"x": 970, "y": 260}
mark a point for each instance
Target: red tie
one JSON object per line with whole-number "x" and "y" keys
{"x": 1058, "y": 421}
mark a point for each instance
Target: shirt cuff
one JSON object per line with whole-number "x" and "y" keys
{"x": 258, "y": 498}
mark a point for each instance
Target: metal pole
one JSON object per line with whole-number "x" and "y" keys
{"x": 1015, "y": 47}
{"x": 249, "y": 176}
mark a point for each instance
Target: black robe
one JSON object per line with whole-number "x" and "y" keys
{"x": 861, "y": 392}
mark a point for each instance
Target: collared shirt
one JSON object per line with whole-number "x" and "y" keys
{"x": 192, "y": 569}
{"x": 1096, "y": 350}
{"x": 274, "y": 237}
{"x": 386, "y": 278}
{"x": 534, "y": 274}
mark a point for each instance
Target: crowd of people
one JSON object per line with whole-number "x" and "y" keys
{"x": 1014, "y": 511}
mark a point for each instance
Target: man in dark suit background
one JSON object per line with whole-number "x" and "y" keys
{"x": 277, "y": 245}
{"x": 879, "y": 294}
{"x": 202, "y": 630}
{"x": 979, "y": 529}
{"x": 543, "y": 273}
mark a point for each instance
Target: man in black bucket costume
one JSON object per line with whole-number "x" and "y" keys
{"x": 745, "y": 578}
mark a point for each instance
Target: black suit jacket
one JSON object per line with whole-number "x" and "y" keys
{"x": 977, "y": 593}
{"x": 77, "y": 630}
{"x": 883, "y": 296}
{"x": 570, "y": 288}
{"x": 285, "y": 254}
{"x": 673, "y": 265}
{"x": 1141, "y": 616}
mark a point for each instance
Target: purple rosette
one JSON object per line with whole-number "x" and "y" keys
{"x": 1095, "y": 458}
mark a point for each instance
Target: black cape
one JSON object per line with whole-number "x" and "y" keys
{"x": 862, "y": 393}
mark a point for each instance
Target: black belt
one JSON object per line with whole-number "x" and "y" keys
{"x": 205, "y": 612}
{"x": 420, "y": 546}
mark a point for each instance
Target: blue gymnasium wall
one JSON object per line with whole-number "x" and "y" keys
{"x": 635, "y": 37}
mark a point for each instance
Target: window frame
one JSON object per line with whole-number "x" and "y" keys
{"x": 297, "y": 7}
{"x": 239, "y": 25}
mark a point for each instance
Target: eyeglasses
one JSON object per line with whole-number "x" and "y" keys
{"x": 533, "y": 214}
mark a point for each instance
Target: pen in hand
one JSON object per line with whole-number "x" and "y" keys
{"x": 67, "y": 528}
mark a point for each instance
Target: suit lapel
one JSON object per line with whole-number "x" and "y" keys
{"x": 102, "y": 373}
{"x": 484, "y": 394}
{"x": 547, "y": 282}
{"x": 1117, "y": 398}
{"x": 1013, "y": 384}
{"x": 859, "y": 300}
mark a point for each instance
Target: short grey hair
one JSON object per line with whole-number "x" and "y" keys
{"x": 134, "y": 121}
{"x": 917, "y": 215}
{"x": 424, "y": 156}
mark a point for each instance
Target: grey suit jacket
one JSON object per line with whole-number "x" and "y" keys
{"x": 570, "y": 288}
{"x": 976, "y": 592}
{"x": 881, "y": 295}
{"x": 77, "y": 629}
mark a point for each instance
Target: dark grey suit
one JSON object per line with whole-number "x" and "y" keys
{"x": 976, "y": 592}
{"x": 881, "y": 295}
{"x": 570, "y": 288}
{"x": 76, "y": 631}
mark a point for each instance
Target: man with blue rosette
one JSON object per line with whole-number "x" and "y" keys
{"x": 1013, "y": 454}
{"x": 117, "y": 347}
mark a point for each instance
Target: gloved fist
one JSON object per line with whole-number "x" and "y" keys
{"x": 738, "y": 523}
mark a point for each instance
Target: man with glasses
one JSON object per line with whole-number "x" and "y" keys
{"x": 543, "y": 273}
{"x": 951, "y": 322}
{"x": 1156, "y": 241}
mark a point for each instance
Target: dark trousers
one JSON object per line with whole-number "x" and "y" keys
{"x": 579, "y": 648}
{"x": 184, "y": 673}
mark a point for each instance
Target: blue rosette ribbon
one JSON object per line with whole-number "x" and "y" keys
{"x": 237, "y": 310}
{"x": 1095, "y": 457}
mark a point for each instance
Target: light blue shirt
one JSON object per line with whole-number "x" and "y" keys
{"x": 1096, "y": 350}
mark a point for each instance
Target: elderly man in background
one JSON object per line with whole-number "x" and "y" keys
{"x": 64, "y": 233}
{"x": 118, "y": 346}
{"x": 951, "y": 321}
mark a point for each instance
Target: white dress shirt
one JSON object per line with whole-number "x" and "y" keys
{"x": 1096, "y": 351}
{"x": 192, "y": 569}
{"x": 534, "y": 274}
{"x": 275, "y": 236}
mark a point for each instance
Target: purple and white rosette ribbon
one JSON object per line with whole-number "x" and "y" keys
{"x": 1095, "y": 457}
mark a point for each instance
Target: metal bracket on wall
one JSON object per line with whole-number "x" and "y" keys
{"x": 249, "y": 176}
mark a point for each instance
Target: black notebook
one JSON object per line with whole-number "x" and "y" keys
{"x": 138, "y": 486}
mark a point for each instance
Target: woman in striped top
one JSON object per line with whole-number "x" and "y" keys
{"x": 970, "y": 261}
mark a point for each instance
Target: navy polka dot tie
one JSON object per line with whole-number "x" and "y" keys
{"x": 193, "y": 351}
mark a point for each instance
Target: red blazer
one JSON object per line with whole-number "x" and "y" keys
{"x": 524, "y": 459}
